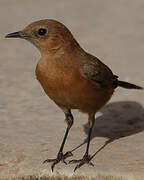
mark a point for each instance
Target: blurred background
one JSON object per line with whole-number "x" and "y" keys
{"x": 109, "y": 29}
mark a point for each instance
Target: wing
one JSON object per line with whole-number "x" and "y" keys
{"x": 94, "y": 70}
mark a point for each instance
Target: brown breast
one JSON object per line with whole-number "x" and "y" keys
{"x": 67, "y": 88}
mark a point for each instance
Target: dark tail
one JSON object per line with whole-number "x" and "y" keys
{"x": 128, "y": 85}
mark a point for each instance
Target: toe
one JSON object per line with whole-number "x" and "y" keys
{"x": 91, "y": 164}
{"x": 53, "y": 165}
{"x": 64, "y": 161}
{"x": 86, "y": 160}
{"x": 48, "y": 160}
{"x": 68, "y": 154}
{"x": 74, "y": 161}
{"x": 78, "y": 166}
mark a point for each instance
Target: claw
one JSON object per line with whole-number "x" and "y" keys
{"x": 91, "y": 164}
{"x": 60, "y": 157}
{"x": 64, "y": 161}
{"x": 53, "y": 165}
{"x": 78, "y": 166}
{"x": 85, "y": 160}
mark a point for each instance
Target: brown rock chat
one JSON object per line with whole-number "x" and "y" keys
{"x": 71, "y": 77}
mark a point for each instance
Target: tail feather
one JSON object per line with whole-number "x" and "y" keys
{"x": 128, "y": 85}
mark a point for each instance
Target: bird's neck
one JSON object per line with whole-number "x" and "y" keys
{"x": 62, "y": 51}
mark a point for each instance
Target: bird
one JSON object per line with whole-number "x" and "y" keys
{"x": 71, "y": 77}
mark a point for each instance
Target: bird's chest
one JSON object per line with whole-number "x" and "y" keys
{"x": 57, "y": 80}
{"x": 67, "y": 88}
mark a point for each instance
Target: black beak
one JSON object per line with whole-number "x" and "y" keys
{"x": 16, "y": 35}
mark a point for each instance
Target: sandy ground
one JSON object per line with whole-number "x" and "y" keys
{"x": 32, "y": 127}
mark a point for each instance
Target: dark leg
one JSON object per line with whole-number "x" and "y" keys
{"x": 60, "y": 155}
{"x": 86, "y": 158}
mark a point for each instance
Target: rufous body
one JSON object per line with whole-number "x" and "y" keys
{"x": 71, "y": 77}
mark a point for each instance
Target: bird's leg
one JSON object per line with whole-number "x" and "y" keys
{"x": 60, "y": 155}
{"x": 86, "y": 158}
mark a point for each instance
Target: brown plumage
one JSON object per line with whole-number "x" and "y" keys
{"x": 71, "y": 77}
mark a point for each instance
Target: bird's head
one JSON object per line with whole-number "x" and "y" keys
{"x": 49, "y": 36}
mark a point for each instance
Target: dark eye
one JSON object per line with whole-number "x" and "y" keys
{"x": 42, "y": 31}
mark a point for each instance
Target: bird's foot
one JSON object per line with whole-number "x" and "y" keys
{"x": 60, "y": 157}
{"x": 85, "y": 160}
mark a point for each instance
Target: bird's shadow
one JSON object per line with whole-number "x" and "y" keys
{"x": 117, "y": 120}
